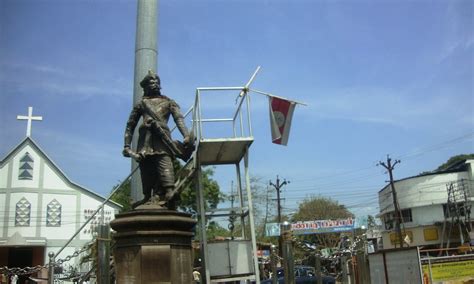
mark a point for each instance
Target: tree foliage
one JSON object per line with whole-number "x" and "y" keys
{"x": 321, "y": 208}
{"x": 449, "y": 163}
{"x": 123, "y": 196}
{"x": 264, "y": 209}
{"x": 453, "y": 160}
{"x": 214, "y": 231}
{"x": 212, "y": 193}
{"x": 371, "y": 222}
{"x": 187, "y": 199}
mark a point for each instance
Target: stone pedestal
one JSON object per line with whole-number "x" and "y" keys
{"x": 153, "y": 246}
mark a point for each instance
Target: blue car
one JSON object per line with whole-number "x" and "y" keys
{"x": 303, "y": 275}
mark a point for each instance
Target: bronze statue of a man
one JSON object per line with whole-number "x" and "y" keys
{"x": 155, "y": 148}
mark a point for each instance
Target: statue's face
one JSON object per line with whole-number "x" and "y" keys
{"x": 153, "y": 85}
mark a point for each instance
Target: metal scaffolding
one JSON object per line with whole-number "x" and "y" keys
{"x": 458, "y": 212}
{"x": 235, "y": 259}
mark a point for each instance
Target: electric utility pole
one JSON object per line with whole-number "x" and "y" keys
{"x": 398, "y": 217}
{"x": 278, "y": 187}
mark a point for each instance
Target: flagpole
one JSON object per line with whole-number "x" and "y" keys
{"x": 270, "y": 95}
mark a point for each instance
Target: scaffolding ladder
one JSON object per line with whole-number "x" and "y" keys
{"x": 458, "y": 211}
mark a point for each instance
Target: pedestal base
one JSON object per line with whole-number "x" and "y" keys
{"x": 153, "y": 246}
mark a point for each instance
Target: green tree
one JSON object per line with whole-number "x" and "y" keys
{"x": 371, "y": 222}
{"x": 214, "y": 230}
{"x": 453, "y": 160}
{"x": 123, "y": 196}
{"x": 263, "y": 209}
{"x": 187, "y": 200}
{"x": 212, "y": 193}
{"x": 321, "y": 208}
{"x": 450, "y": 162}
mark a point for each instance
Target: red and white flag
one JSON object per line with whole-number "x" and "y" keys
{"x": 281, "y": 113}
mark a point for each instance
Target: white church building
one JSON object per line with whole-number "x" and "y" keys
{"x": 41, "y": 208}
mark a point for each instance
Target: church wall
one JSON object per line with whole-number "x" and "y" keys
{"x": 34, "y": 182}
{"x": 25, "y": 231}
{"x": 89, "y": 205}
{"x": 3, "y": 176}
{"x": 69, "y": 211}
{"x": 2, "y": 212}
{"x": 52, "y": 180}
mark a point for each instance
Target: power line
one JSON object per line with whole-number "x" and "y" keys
{"x": 406, "y": 156}
{"x": 438, "y": 146}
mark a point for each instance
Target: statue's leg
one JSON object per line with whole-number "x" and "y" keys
{"x": 148, "y": 180}
{"x": 167, "y": 180}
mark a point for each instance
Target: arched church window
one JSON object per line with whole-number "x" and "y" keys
{"x": 53, "y": 214}
{"x": 26, "y": 167}
{"x": 23, "y": 213}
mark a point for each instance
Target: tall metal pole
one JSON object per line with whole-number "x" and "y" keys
{"x": 205, "y": 272}
{"x": 273, "y": 263}
{"x": 278, "y": 187}
{"x": 389, "y": 167}
{"x": 250, "y": 216}
{"x": 319, "y": 275}
{"x": 345, "y": 278}
{"x": 288, "y": 259}
{"x": 146, "y": 54}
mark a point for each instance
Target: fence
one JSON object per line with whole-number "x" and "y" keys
{"x": 456, "y": 267}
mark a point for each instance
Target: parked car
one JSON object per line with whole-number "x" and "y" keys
{"x": 303, "y": 275}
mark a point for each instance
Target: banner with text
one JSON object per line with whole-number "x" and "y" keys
{"x": 322, "y": 226}
{"x": 313, "y": 227}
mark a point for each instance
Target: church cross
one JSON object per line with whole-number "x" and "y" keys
{"x": 30, "y": 118}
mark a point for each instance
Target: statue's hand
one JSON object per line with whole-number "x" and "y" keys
{"x": 189, "y": 139}
{"x": 186, "y": 139}
{"x": 127, "y": 152}
{"x": 136, "y": 157}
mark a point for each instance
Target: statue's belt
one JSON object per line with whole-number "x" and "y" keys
{"x": 153, "y": 123}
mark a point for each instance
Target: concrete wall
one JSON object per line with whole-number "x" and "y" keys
{"x": 417, "y": 235}
{"x": 419, "y": 191}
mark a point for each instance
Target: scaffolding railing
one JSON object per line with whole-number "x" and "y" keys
{"x": 241, "y": 123}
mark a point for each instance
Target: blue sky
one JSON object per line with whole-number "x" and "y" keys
{"x": 379, "y": 77}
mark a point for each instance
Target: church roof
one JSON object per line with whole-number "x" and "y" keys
{"x": 33, "y": 144}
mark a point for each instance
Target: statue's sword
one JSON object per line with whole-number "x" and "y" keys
{"x": 169, "y": 143}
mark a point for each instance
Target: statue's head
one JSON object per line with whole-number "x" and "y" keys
{"x": 151, "y": 84}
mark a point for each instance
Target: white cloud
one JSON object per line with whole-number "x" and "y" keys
{"x": 83, "y": 91}
{"x": 373, "y": 105}
{"x": 26, "y": 67}
{"x": 51, "y": 80}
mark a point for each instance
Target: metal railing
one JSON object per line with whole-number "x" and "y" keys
{"x": 241, "y": 124}
{"x": 460, "y": 261}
